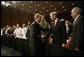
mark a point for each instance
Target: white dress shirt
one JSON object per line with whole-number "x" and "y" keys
{"x": 7, "y": 30}
{"x": 24, "y": 31}
{"x": 18, "y": 32}
{"x": 67, "y": 28}
{"x": 56, "y": 21}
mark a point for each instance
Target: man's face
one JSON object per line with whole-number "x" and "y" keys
{"x": 73, "y": 14}
{"x": 17, "y": 25}
{"x": 23, "y": 25}
{"x": 13, "y": 26}
{"x": 39, "y": 19}
{"x": 28, "y": 22}
{"x": 66, "y": 21}
{"x": 9, "y": 27}
{"x": 43, "y": 17}
{"x": 52, "y": 17}
{"x": 6, "y": 26}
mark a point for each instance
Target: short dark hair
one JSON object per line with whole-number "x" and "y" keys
{"x": 53, "y": 13}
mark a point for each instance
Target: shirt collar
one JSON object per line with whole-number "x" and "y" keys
{"x": 76, "y": 17}
{"x": 56, "y": 20}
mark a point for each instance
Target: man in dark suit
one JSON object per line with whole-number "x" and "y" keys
{"x": 28, "y": 30}
{"x": 57, "y": 30}
{"x": 77, "y": 34}
{"x": 35, "y": 36}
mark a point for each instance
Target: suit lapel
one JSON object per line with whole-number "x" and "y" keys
{"x": 56, "y": 26}
{"x": 76, "y": 21}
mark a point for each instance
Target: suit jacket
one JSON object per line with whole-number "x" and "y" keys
{"x": 10, "y": 32}
{"x": 77, "y": 33}
{"x": 70, "y": 29}
{"x": 35, "y": 39}
{"x": 28, "y": 33}
{"x": 58, "y": 33}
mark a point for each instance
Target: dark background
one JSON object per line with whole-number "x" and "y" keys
{"x": 24, "y": 11}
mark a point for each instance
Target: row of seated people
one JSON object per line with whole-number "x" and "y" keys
{"x": 17, "y": 38}
{"x": 17, "y": 31}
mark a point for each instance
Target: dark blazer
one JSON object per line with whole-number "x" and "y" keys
{"x": 28, "y": 33}
{"x": 77, "y": 33}
{"x": 35, "y": 39}
{"x": 58, "y": 33}
{"x": 70, "y": 29}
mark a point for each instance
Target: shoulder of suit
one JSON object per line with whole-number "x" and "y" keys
{"x": 32, "y": 23}
{"x": 80, "y": 18}
{"x": 59, "y": 21}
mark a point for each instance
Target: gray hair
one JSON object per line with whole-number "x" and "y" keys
{"x": 78, "y": 10}
{"x": 36, "y": 15}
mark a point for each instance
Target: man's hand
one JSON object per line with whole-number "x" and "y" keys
{"x": 63, "y": 45}
{"x": 69, "y": 42}
{"x": 76, "y": 49}
{"x": 43, "y": 36}
{"x": 50, "y": 40}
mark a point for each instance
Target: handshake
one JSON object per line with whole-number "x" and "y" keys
{"x": 50, "y": 40}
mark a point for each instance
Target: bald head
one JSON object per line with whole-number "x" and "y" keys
{"x": 75, "y": 12}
